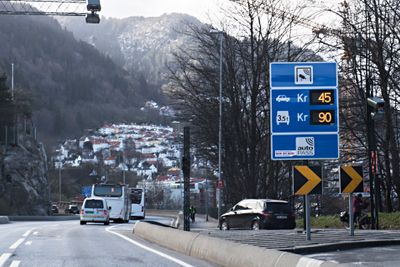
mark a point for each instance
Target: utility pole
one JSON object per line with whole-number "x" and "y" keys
{"x": 221, "y": 39}
{"x": 186, "y": 178}
{"x": 12, "y": 81}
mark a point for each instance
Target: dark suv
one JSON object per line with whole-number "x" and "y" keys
{"x": 259, "y": 213}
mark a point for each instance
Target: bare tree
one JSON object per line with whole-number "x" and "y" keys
{"x": 370, "y": 41}
{"x": 263, "y": 34}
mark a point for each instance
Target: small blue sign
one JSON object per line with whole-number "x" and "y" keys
{"x": 86, "y": 191}
{"x": 303, "y": 74}
{"x": 304, "y": 110}
{"x": 305, "y": 146}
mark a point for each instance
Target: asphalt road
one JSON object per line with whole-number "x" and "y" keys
{"x": 375, "y": 256}
{"x": 66, "y": 243}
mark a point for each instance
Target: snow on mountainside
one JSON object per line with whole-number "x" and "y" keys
{"x": 143, "y": 46}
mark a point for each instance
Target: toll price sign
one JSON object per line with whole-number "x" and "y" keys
{"x": 304, "y": 110}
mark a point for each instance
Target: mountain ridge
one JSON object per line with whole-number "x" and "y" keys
{"x": 142, "y": 45}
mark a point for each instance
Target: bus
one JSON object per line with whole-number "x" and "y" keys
{"x": 117, "y": 197}
{"x": 137, "y": 203}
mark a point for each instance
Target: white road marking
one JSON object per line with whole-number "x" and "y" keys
{"x": 182, "y": 263}
{"x": 27, "y": 233}
{"x": 308, "y": 262}
{"x": 35, "y": 233}
{"x": 17, "y": 243}
{"x": 28, "y": 243}
{"x": 15, "y": 263}
{"x": 4, "y": 258}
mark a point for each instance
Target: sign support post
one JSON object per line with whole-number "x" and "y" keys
{"x": 308, "y": 218}
{"x": 351, "y": 215}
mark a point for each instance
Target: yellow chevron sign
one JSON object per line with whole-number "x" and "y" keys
{"x": 307, "y": 180}
{"x": 351, "y": 179}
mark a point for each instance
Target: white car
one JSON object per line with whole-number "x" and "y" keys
{"x": 282, "y": 98}
{"x": 95, "y": 209}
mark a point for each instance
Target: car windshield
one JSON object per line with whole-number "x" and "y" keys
{"x": 108, "y": 190}
{"x": 94, "y": 204}
{"x": 136, "y": 196}
{"x": 278, "y": 207}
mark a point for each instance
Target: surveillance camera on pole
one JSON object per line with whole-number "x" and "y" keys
{"x": 93, "y": 6}
{"x": 378, "y": 107}
{"x": 92, "y": 18}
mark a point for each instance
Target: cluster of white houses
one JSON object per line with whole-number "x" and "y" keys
{"x": 142, "y": 149}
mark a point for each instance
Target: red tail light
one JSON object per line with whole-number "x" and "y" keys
{"x": 105, "y": 212}
{"x": 267, "y": 213}
{"x": 82, "y": 212}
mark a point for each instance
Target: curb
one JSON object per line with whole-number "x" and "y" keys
{"x": 320, "y": 248}
{"x": 4, "y": 220}
{"x": 222, "y": 252}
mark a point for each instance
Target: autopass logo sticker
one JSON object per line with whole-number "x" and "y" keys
{"x": 305, "y": 146}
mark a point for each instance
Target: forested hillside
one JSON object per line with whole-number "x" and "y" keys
{"x": 71, "y": 84}
{"x": 144, "y": 46}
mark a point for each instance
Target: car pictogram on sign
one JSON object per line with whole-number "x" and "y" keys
{"x": 282, "y": 98}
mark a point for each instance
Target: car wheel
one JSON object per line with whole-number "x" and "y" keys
{"x": 224, "y": 226}
{"x": 255, "y": 225}
{"x": 82, "y": 222}
{"x": 107, "y": 223}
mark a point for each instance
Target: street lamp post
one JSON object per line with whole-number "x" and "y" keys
{"x": 221, "y": 36}
{"x": 59, "y": 167}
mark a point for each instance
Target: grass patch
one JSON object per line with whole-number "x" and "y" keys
{"x": 387, "y": 221}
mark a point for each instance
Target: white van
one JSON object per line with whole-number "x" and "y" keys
{"x": 95, "y": 209}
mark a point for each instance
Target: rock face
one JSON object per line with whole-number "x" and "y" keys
{"x": 24, "y": 187}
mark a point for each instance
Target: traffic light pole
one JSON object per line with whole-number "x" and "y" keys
{"x": 372, "y": 159}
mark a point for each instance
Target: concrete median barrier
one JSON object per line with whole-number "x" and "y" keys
{"x": 220, "y": 251}
{"x": 4, "y": 219}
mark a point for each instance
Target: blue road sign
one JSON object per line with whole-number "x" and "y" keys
{"x": 305, "y": 146}
{"x": 86, "y": 191}
{"x": 298, "y": 110}
{"x": 304, "y": 110}
{"x": 303, "y": 74}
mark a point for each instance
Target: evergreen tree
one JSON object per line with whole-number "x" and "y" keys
{"x": 5, "y": 92}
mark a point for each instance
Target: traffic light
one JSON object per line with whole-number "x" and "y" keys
{"x": 378, "y": 107}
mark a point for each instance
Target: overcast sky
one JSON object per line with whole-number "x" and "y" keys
{"x": 151, "y": 8}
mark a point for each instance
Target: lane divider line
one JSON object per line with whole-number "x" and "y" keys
{"x": 15, "y": 263}
{"x": 35, "y": 233}
{"x": 27, "y": 233}
{"x": 3, "y": 258}
{"x": 178, "y": 261}
{"x": 17, "y": 243}
{"x": 28, "y": 243}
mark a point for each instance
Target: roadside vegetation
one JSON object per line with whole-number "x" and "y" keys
{"x": 387, "y": 221}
